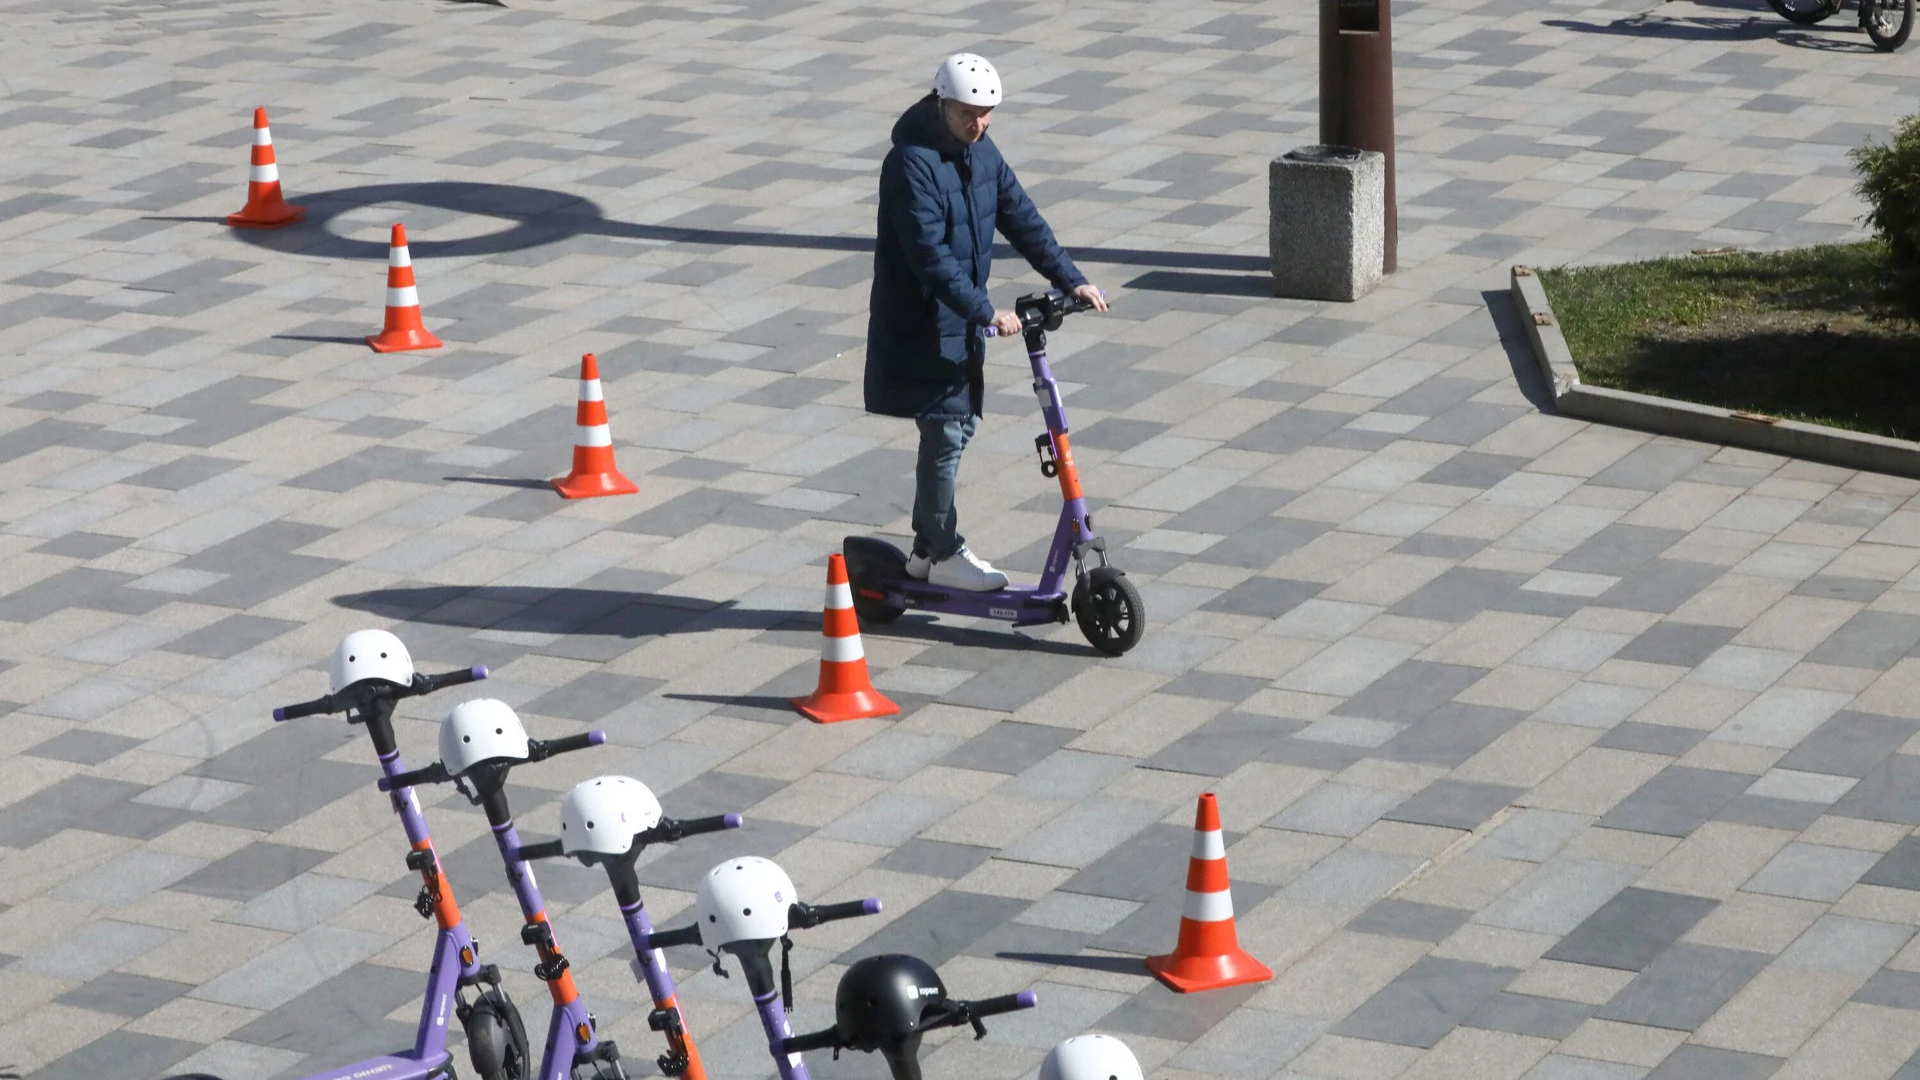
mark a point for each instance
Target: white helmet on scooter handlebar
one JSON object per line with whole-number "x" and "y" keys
{"x": 370, "y": 654}
{"x": 743, "y": 899}
{"x": 478, "y": 731}
{"x": 1090, "y": 1057}
{"x": 600, "y": 816}
{"x": 969, "y": 79}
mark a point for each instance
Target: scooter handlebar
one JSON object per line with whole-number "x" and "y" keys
{"x": 451, "y": 678}
{"x": 1006, "y": 1003}
{"x": 306, "y": 708}
{"x": 811, "y": 915}
{"x": 664, "y": 939}
{"x": 366, "y": 691}
{"x": 542, "y": 749}
{"x": 817, "y": 1040}
{"x": 546, "y": 849}
{"x": 435, "y": 773}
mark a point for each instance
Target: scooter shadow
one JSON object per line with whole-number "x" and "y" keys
{"x": 534, "y": 610}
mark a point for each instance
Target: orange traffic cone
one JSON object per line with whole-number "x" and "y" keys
{"x": 594, "y": 472}
{"x": 845, "y": 692}
{"x": 1208, "y": 955}
{"x": 404, "y": 330}
{"x": 265, "y": 208}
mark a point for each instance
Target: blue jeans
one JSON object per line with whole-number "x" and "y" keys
{"x": 936, "y": 522}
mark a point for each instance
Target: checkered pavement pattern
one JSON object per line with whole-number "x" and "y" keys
{"x": 1546, "y": 750}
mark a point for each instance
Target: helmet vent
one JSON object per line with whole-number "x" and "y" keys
{"x": 466, "y": 738}
{"x": 589, "y": 824}
{"x": 746, "y": 911}
{"x": 383, "y": 656}
{"x": 351, "y": 659}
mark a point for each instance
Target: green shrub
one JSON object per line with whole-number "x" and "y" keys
{"x": 1890, "y": 182}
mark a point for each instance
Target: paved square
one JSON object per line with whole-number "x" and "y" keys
{"x": 1546, "y": 750}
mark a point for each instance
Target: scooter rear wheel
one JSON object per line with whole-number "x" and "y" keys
{"x": 870, "y": 562}
{"x": 1109, "y": 610}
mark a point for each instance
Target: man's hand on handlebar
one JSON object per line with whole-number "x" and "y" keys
{"x": 1006, "y": 323}
{"x": 1092, "y": 294}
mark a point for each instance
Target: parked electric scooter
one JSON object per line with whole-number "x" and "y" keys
{"x": 480, "y": 742}
{"x": 371, "y": 672}
{"x": 608, "y": 821}
{"x": 1107, "y": 606}
{"x": 888, "y": 1002}
{"x": 743, "y": 906}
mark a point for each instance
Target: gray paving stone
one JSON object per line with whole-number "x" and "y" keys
{"x": 1631, "y": 930}
{"x": 118, "y": 1053}
{"x": 83, "y": 747}
{"x": 1886, "y": 793}
{"x": 1850, "y": 744}
{"x": 1684, "y": 987}
{"x": 1008, "y": 747}
{"x": 1651, "y": 738}
{"x": 1424, "y": 1003}
{"x": 1811, "y": 871}
{"x": 1892, "y": 989}
{"x": 1676, "y": 801}
{"x": 343, "y": 1018}
{"x": 1223, "y": 744}
{"x": 1680, "y": 644}
{"x": 121, "y": 994}
{"x": 1454, "y": 804}
{"x": 250, "y": 871}
{"x": 1899, "y": 868}
{"x": 1405, "y": 919}
{"x": 88, "y": 802}
{"x": 1524, "y": 1014}
{"x": 939, "y": 929}
{"x": 1712, "y": 1063}
{"x": 1871, "y": 639}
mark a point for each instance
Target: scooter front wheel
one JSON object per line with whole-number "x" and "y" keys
{"x": 1109, "y": 610}
{"x": 497, "y": 1039}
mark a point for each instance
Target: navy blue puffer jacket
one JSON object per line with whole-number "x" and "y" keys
{"x": 940, "y": 202}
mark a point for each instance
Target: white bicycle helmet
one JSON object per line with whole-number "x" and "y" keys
{"x": 480, "y": 730}
{"x": 743, "y": 899}
{"x": 600, "y": 816}
{"x": 1090, "y": 1057}
{"x": 967, "y": 78}
{"x": 370, "y": 654}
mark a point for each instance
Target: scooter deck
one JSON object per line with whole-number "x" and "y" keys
{"x": 879, "y": 572}
{"x": 1020, "y": 606}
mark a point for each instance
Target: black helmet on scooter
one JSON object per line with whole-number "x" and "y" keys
{"x": 883, "y": 1000}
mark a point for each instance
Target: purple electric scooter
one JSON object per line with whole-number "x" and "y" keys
{"x": 770, "y": 999}
{"x": 1106, "y": 605}
{"x": 572, "y": 1037}
{"x": 491, "y": 1020}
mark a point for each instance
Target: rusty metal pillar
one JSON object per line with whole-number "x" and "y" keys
{"x": 1356, "y": 89}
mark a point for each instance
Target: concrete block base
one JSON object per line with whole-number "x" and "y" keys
{"x": 1327, "y": 225}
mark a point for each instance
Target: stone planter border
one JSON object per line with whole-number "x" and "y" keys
{"x": 1686, "y": 420}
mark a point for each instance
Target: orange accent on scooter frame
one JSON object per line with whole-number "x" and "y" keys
{"x": 560, "y": 987}
{"x": 1069, "y": 476}
{"x": 446, "y": 913}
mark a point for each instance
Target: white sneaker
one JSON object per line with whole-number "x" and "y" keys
{"x": 967, "y": 572}
{"x": 917, "y": 566}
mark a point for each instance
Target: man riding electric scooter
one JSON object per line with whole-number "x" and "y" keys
{"x": 944, "y": 190}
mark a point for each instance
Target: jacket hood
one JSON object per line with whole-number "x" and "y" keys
{"x": 922, "y": 125}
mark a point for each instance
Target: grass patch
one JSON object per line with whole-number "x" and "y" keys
{"x": 1813, "y": 335}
